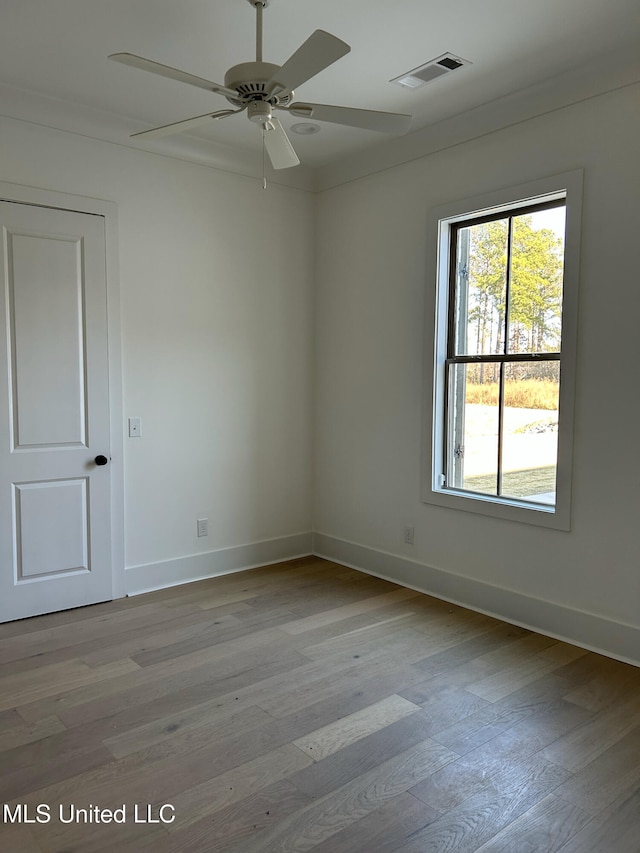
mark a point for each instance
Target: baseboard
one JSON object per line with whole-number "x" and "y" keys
{"x": 151, "y": 576}
{"x": 587, "y": 630}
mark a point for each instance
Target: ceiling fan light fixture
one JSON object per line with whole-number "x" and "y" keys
{"x": 259, "y": 112}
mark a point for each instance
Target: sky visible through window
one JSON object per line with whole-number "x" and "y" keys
{"x": 554, "y": 219}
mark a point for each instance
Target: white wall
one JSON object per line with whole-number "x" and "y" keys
{"x": 371, "y": 279}
{"x": 216, "y": 288}
{"x": 218, "y": 307}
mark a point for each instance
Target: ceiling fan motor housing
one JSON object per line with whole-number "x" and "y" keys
{"x": 249, "y": 79}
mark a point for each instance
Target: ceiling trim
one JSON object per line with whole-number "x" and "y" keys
{"x": 596, "y": 78}
{"x": 589, "y": 81}
{"x": 57, "y": 114}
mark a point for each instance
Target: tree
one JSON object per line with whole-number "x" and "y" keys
{"x": 535, "y": 294}
{"x": 536, "y": 288}
{"x": 487, "y": 283}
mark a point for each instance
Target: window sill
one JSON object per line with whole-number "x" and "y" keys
{"x": 524, "y": 512}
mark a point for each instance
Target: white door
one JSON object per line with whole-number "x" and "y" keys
{"x": 54, "y": 413}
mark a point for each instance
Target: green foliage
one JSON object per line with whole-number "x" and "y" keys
{"x": 536, "y": 288}
{"x": 525, "y": 394}
{"x": 535, "y": 293}
{"x": 488, "y": 245}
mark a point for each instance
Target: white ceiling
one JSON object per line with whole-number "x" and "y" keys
{"x": 59, "y": 48}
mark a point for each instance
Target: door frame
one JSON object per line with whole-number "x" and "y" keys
{"x": 83, "y": 204}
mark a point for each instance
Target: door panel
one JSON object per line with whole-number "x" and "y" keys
{"x": 55, "y": 525}
{"x": 51, "y": 528}
{"x": 46, "y": 339}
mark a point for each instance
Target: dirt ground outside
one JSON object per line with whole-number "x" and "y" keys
{"x": 530, "y": 445}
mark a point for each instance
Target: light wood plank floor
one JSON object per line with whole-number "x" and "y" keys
{"x": 305, "y": 706}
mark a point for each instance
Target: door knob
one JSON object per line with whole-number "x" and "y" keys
{"x": 101, "y": 460}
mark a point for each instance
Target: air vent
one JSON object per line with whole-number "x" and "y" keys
{"x": 430, "y": 71}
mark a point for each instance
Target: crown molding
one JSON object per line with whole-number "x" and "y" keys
{"x": 65, "y": 116}
{"x": 607, "y": 74}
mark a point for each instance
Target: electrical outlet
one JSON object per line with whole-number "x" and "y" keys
{"x": 203, "y": 527}
{"x": 135, "y": 427}
{"x": 408, "y": 534}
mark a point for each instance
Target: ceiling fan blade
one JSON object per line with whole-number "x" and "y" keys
{"x": 172, "y": 73}
{"x": 319, "y": 51}
{"x": 365, "y": 119}
{"x": 181, "y": 126}
{"x": 279, "y": 149}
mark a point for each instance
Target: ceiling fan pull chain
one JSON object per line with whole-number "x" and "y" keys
{"x": 264, "y": 177}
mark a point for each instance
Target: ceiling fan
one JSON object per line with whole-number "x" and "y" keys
{"x": 260, "y": 88}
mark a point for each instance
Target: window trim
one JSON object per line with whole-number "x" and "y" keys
{"x": 568, "y": 187}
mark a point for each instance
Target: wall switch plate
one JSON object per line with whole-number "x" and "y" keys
{"x": 135, "y": 428}
{"x": 203, "y": 527}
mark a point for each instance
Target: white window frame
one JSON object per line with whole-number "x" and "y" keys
{"x": 566, "y": 186}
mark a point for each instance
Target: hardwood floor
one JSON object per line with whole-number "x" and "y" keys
{"x": 305, "y": 706}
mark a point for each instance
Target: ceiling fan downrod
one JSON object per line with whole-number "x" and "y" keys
{"x": 260, "y": 6}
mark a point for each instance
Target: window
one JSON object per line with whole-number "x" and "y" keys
{"x": 505, "y": 310}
